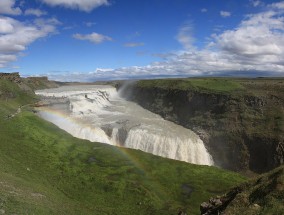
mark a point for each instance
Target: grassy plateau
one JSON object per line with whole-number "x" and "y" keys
{"x": 221, "y": 85}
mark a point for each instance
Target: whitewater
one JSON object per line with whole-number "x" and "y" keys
{"x": 99, "y": 114}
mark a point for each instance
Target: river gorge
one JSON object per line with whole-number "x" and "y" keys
{"x": 99, "y": 114}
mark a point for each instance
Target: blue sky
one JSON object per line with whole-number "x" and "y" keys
{"x": 87, "y": 40}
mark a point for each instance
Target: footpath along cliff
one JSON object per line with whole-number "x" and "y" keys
{"x": 241, "y": 121}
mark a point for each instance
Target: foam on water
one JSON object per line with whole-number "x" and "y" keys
{"x": 98, "y": 114}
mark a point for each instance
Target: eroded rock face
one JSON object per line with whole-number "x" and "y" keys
{"x": 11, "y": 76}
{"x": 241, "y": 131}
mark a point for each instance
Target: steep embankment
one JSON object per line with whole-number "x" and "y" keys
{"x": 44, "y": 170}
{"x": 263, "y": 195}
{"x": 240, "y": 120}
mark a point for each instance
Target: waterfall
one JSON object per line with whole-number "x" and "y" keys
{"x": 98, "y": 114}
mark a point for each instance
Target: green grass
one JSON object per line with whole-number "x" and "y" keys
{"x": 219, "y": 85}
{"x": 44, "y": 170}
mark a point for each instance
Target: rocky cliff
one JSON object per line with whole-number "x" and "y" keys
{"x": 240, "y": 121}
{"x": 14, "y": 77}
{"x": 25, "y": 85}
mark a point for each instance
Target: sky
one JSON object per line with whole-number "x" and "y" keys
{"x": 89, "y": 40}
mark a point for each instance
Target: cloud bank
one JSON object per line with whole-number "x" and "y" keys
{"x": 185, "y": 36}
{"x": 35, "y": 12}
{"x": 132, "y": 45}
{"x": 93, "y": 37}
{"x": 225, "y": 13}
{"x": 7, "y": 7}
{"x": 83, "y": 5}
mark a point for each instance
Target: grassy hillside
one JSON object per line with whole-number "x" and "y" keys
{"x": 44, "y": 170}
{"x": 12, "y": 96}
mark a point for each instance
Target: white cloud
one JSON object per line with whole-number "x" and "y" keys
{"x": 94, "y": 37}
{"x": 5, "y": 26}
{"x": 7, "y": 7}
{"x": 185, "y": 36}
{"x": 16, "y": 36}
{"x": 278, "y": 5}
{"x": 225, "y": 13}
{"x": 4, "y": 58}
{"x": 89, "y": 24}
{"x": 83, "y": 5}
{"x": 35, "y": 12}
{"x": 256, "y": 3}
{"x": 131, "y": 45}
{"x": 257, "y": 43}
{"x": 204, "y": 10}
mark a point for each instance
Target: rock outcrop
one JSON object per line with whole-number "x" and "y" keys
{"x": 263, "y": 195}
{"x": 14, "y": 77}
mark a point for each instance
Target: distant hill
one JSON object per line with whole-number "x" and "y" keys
{"x": 38, "y": 83}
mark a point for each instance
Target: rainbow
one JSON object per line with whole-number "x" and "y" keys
{"x": 63, "y": 121}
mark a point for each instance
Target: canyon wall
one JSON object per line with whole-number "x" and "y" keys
{"x": 242, "y": 129}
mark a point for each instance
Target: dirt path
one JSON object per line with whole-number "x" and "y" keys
{"x": 19, "y": 110}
